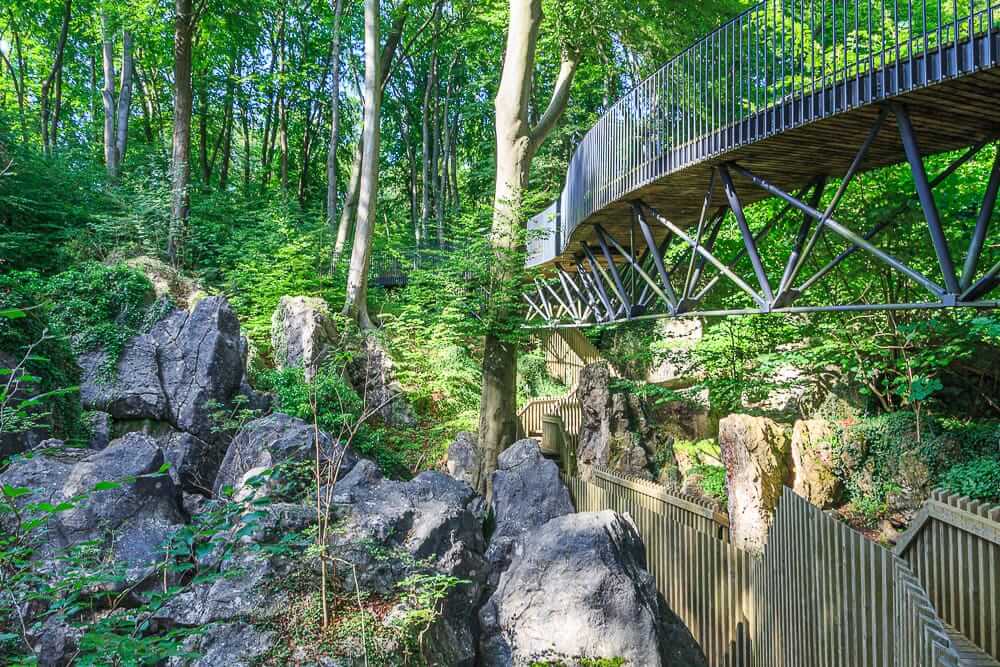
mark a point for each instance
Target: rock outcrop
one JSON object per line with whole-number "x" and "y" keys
{"x": 814, "y": 463}
{"x": 278, "y": 438}
{"x": 432, "y": 524}
{"x": 121, "y": 500}
{"x": 463, "y": 458}
{"x": 527, "y": 493}
{"x": 614, "y": 432}
{"x": 169, "y": 382}
{"x": 755, "y": 452}
{"x": 303, "y": 333}
{"x": 373, "y": 375}
{"x": 578, "y": 588}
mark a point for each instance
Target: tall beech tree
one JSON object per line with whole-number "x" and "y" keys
{"x": 116, "y": 111}
{"x": 331, "y": 152}
{"x": 517, "y": 143}
{"x": 356, "y": 302}
{"x": 185, "y": 20}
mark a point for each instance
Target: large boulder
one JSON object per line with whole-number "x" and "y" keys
{"x": 170, "y": 382}
{"x": 200, "y": 357}
{"x": 132, "y": 389}
{"x": 372, "y": 374}
{"x": 463, "y": 458}
{"x": 527, "y": 493}
{"x": 814, "y": 462}
{"x": 303, "y": 333}
{"x": 614, "y": 432}
{"x": 431, "y": 525}
{"x": 755, "y": 452}
{"x": 236, "y": 644}
{"x": 578, "y": 588}
{"x": 135, "y": 516}
{"x": 120, "y": 498}
{"x": 278, "y": 438}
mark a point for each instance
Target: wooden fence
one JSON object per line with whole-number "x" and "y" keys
{"x": 820, "y": 595}
{"x": 567, "y": 407}
{"x": 953, "y": 548}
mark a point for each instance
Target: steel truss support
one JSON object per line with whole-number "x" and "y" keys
{"x": 601, "y": 285}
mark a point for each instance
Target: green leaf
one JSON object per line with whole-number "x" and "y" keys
{"x": 15, "y": 491}
{"x": 12, "y": 313}
{"x": 106, "y": 486}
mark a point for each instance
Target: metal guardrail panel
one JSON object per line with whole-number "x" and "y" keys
{"x": 759, "y": 75}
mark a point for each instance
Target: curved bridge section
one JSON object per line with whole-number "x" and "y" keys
{"x": 777, "y": 103}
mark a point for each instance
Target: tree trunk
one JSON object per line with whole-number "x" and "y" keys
{"x": 206, "y": 170}
{"x": 331, "y": 152}
{"x": 124, "y": 100}
{"x": 348, "y": 214}
{"x": 183, "y": 100}
{"x": 456, "y": 199}
{"x": 116, "y": 112}
{"x": 356, "y": 303}
{"x": 108, "y": 98}
{"x": 17, "y": 78}
{"x": 245, "y": 122}
{"x": 282, "y": 107}
{"x": 56, "y": 71}
{"x": 411, "y": 189}
{"x": 227, "y": 129}
{"x": 517, "y": 143}
{"x": 425, "y": 181}
{"x": 147, "y": 109}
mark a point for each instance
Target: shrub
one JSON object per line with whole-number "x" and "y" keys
{"x": 712, "y": 480}
{"x": 51, "y": 365}
{"x": 338, "y": 406}
{"x": 100, "y": 306}
{"x": 978, "y": 479}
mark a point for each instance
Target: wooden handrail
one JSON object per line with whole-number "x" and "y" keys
{"x": 686, "y": 502}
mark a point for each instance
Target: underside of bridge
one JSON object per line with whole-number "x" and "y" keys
{"x": 680, "y": 244}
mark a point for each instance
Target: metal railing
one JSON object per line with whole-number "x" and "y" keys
{"x": 779, "y": 64}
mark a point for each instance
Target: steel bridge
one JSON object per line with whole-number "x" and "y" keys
{"x": 791, "y": 102}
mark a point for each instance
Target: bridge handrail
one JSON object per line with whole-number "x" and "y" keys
{"x": 759, "y": 60}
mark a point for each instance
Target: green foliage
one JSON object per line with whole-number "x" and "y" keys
{"x": 338, "y": 405}
{"x": 533, "y": 379}
{"x": 37, "y": 383}
{"x": 712, "y": 481}
{"x": 978, "y": 479}
{"x": 878, "y": 455}
{"x": 100, "y": 306}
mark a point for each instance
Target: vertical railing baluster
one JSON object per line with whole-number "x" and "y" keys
{"x": 812, "y": 57}
{"x": 871, "y": 55}
{"x": 822, "y": 52}
{"x": 784, "y": 59}
{"x": 857, "y": 52}
{"x": 954, "y": 19}
{"x": 895, "y": 33}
